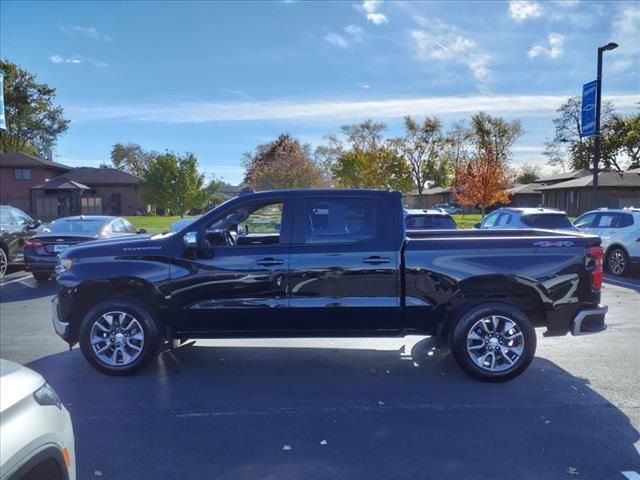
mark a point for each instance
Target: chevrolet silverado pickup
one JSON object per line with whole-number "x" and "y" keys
{"x": 328, "y": 263}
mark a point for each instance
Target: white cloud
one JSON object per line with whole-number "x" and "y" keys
{"x": 377, "y": 18}
{"x": 625, "y": 30}
{"x": 567, "y": 3}
{"x": 521, "y": 10}
{"x": 445, "y": 43}
{"x": 352, "y": 34}
{"x": 332, "y": 110}
{"x": 76, "y": 60}
{"x": 92, "y": 33}
{"x": 336, "y": 40}
{"x": 371, "y": 9}
{"x": 555, "y": 48}
{"x": 366, "y": 87}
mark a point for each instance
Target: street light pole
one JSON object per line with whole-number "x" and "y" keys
{"x": 596, "y": 155}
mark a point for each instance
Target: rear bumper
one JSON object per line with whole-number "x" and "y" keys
{"x": 589, "y": 321}
{"x": 39, "y": 263}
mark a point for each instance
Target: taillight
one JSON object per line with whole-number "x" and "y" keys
{"x": 33, "y": 244}
{"x": 596, "y": 253}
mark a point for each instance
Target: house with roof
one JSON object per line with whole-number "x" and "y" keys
{"x": 575, "y": 196}
{"x": 90, "y": 191}
{"x": 19, "y": 172}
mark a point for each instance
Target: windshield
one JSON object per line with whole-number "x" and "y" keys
{"x": 5, "y": 216}
{"x": 548, "y": 221}
{"x": 75, "y": 227}
{"x": 418, "y": 222}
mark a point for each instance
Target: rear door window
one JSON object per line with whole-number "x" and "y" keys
{"x": 339, "y": 220}
{"x": 605, "y": 220}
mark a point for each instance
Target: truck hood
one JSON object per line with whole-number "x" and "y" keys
{"x": 115, "y": 246}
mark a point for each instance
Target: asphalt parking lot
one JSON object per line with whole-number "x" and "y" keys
{"x": 348, "y": 408}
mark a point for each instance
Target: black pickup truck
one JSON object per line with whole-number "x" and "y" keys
{"x": 328, "y": 263}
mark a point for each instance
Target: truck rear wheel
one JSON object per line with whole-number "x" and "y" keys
{"x": 119, "y": 336}
{"x": 493, "y": 342}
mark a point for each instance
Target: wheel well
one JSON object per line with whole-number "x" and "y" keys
{"x": 92, "y": 293}
{"x": 616, "y": 245}
{"x": 476, "y": 293}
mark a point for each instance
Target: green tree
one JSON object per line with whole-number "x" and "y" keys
{"x": 158, "y": 180}
{"x": 567, "y": 147}
{"x": 528, "y": 173}
{"x": 188, "y": 186}
{"x": 421, "y": 147}
{"x": 283, "y": 163}
{"x": 456, "y": 147}
{"x": 381, "y": 168}
{"x": 621, "y": 141}
{"x": 131, "y": 158}
{"x": 34, "y": 122}
{"x": 493, "y": 137}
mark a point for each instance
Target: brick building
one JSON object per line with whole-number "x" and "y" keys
{"x": 19, "y": 172}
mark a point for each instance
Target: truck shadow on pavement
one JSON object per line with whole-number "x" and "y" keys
{"x": 27, "y": 289}
{"x": 227, "y": 412}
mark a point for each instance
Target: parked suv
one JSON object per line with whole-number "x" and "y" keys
{"x": 416, "y": 219}
{"x": 15, "y": 228}
{"x": 36, "y": 434}
{"x": 619, "y": 230}
{"x": 511, "y": 217}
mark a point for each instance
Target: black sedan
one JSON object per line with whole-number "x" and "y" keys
{"x": 15, "y": 228}
{"x": 41, "y": 251}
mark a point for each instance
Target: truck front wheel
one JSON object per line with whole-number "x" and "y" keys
{"x": 119, "y": 336}
{"x": 493, "y": 342}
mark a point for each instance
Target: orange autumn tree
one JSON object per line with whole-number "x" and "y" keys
{"x": 482, "y": 181}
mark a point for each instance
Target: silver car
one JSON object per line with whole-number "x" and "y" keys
{"x": 36, "y": 435}
{"x": 619, "y": 230}
{"x": 514, "y": 218}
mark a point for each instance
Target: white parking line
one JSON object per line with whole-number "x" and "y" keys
{"x": 615, "y": 281}
{"x": 632, "y": 475}
{"x": 14, "y": 280}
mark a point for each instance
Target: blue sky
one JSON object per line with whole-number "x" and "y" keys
{"x": 218, "y": 78}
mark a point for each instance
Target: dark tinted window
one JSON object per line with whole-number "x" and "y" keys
{"x": 81, "y": 227}
{"x": 418, "y": 222}
{"x": 624, "y": 220}
{"x": 605, "y": 220}
{"x": 547, "y": 220}
{"x": 339, "y": 220}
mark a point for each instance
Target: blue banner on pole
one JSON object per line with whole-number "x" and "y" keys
{"x": 3, "y": 122}
{"x": 589, "y": 92}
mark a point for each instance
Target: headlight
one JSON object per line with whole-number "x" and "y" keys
{"x": 46, "y": 395}
{"x": 64, "y": 264}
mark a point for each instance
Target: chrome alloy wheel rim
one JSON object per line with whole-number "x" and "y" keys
{"x": 616, "y": 262}
{"x": 117, "y": 339}
{"x": 495, "y": 343}
{"x": 3, "y": 263}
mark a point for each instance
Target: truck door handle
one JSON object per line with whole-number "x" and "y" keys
{"x": 376, "y": 260}
{"x": 270, "y": 262}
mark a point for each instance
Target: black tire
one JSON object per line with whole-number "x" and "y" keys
{"x": 617, "y": 261}
{"x": 131, "y": 308}
{"x": 522, "y": 338}
{"x": 42, "y": 277}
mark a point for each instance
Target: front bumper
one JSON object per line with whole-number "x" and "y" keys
{"x": 61, "y": 327}
{"x": 589, "y": 321}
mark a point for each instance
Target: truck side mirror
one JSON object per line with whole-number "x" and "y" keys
{"x": 243, "y": 230}
{"x": 190, "y": 239}
{"x": 35, "y": 224}
{"x": 477, "y": 225}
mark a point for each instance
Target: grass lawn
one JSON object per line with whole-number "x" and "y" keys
{"x": 153, "y": 224}
{"x": 466, "y": 220}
